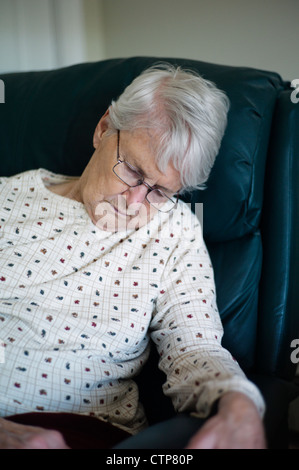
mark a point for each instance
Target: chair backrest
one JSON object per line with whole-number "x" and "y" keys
{"x": 278, "y": 323}
{"x": 48, "y": 121}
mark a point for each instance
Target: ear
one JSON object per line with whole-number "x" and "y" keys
{"x": 100, "y": 129}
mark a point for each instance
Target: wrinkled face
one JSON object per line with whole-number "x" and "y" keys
{"x": 113, "y": 205}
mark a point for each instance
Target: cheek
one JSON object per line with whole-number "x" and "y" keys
{"x": 141, "y": 214}
{"x": 102, "y": 188}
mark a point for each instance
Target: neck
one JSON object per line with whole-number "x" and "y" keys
{"x": 70, "y": 189}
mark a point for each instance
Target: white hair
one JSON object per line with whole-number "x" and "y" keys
{"x": 187, "y": 113}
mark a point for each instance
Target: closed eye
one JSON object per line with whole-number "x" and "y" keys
{"x": 133, "y": 173}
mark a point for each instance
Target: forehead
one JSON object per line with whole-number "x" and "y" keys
{"x": 138, "y": 149}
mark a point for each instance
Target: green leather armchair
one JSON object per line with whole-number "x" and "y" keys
{"x": 250, "y": 207}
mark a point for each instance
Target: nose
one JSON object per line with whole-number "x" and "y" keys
{"x": 136, "y": 195}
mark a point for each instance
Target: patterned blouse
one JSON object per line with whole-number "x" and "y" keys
{"x": 79, "y": 305}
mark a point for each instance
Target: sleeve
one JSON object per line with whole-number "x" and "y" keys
{"x": 187, "y": 331}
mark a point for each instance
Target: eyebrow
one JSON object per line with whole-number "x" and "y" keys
{"x": 142, "y": 172}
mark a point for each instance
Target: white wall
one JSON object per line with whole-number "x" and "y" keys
{"x": 257, "y": 33}
{"x": 94, "y": 21}
{"x": 43, "y": 34}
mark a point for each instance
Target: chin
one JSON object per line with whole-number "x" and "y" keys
{"x": 106, "y": 217}
{"x": 119, "y": 224}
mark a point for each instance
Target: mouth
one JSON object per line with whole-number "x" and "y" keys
{"x": 118, "y": 212}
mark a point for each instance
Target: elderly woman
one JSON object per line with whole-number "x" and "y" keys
{"x": 95, "y": 266}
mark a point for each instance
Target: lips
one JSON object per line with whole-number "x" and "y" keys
{"x": 119, "y": 212}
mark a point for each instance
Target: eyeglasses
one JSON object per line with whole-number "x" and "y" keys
{"x": 133, "y": 178}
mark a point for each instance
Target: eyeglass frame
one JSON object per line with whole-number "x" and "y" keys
{"x": 150, "y": 188}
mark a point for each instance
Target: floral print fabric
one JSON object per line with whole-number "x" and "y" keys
{"x": 79, "y": 305}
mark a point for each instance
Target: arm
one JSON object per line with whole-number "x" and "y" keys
{"x": 19, "y": 436}
{"x": 187, "y": 331}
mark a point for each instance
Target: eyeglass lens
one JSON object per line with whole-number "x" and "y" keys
{"x": 132, "y": 178}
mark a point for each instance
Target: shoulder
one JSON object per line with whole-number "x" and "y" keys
{"x": 178, "y": 231}
{"x": 182, "y": 225}
{"x": 19, "y": 178}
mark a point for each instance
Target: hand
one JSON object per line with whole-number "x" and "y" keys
{"x": 19, "y": 436}
{"x": 237, "y": 425}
